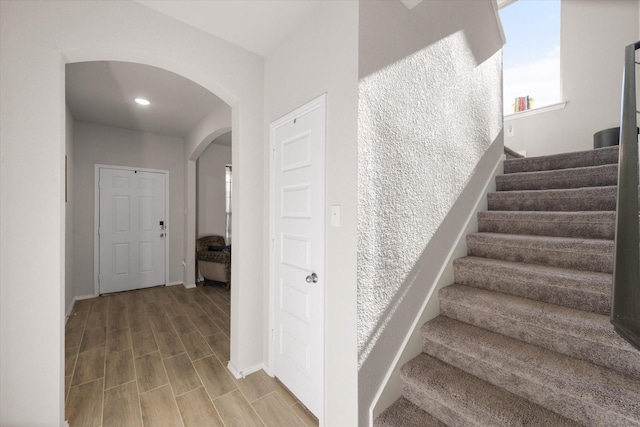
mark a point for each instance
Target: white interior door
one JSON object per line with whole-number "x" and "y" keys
{"x": 298, "y": 143}
{"x": 132, "y": 229}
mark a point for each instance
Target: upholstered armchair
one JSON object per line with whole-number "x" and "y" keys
{"x": 214, "y": 259}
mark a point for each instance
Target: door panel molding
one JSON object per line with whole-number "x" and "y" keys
{"x": 96, "y": 219}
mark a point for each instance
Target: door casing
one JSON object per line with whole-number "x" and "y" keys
{"x": 321, "y": 102}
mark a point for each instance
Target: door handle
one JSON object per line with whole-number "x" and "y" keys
{"x": 312, "y": 278}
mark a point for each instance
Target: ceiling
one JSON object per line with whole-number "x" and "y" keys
{"x": 256, "y": 25}
{"x": 103, "y": 92}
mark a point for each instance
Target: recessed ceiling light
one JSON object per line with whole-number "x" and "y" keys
{"x": 142, "y": 101}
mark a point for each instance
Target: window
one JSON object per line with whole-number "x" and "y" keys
{"x": 531, "y": 55}
{"x": 228, "y": 181}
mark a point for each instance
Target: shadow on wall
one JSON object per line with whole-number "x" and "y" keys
{"x": 424, "y": 124}
{"x": 430, "y": 109}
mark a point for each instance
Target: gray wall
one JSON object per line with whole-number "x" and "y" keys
{"x": 68, "y": 211}
{"x": 98, "y": 144}
{"x": 429, "y": 109}
{"x": 593, "y": 37}
{"x": 211, "y": 190}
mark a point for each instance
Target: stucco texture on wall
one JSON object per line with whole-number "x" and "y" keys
{"x": 423, "y": 124}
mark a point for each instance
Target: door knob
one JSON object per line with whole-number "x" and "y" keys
{"x": 312, "y": 278}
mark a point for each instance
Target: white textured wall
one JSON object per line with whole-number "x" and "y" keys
{"x": 107, "y": 145}
{"x": 593, "y": 37}
{"x": 212, "y": 217}
{"x": 424, "y": 123}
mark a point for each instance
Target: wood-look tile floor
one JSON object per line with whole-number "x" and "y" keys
{"x": 157, "y": 357}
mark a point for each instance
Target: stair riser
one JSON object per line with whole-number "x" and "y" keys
{"x": 547, "y": 379}
{"x": 557, "y": 227}
{"x": 575, "y": 178}
{"x": 588, "y": 158}
{"x": 519, "y": 202}
{"x": 594, "y": 342}
{"x": 587, "y": 257}
{"x": 540, "y": 287}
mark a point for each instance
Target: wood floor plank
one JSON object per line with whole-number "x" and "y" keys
{"x": 150, "y": 372}
{"x": 122, "y": 407}
{"x": 84, "y": 404}
{"x": 215, "y": 377}
{"x": 197, "y": 410}
{"x": 138, "y": 321}
{"x": 169, "y": 344}
{"x": 183, "y": 324}
{"x": 173, "y": 310}
{"x": 220, "y": 344}
{"x": 118, "y": 340}
{"x": 159, "y": 408}
{"x": 182, "y": 375}
{"x": 274, "y": 412}
{"x": 205, "y": 325}
{"x": 308, "y": 420}
{"x": 159, "y": 321}
{"x": 235, "y": 411}
{"x": 73, "y": 339}
{"x": 117, "y": 319}
{"x": 195, "y": 345}
{"x": 96, "y": 319}
{"x": 70, "y": 357}
{"x": 89, "y": 366}
{"x": 255, "y": 386}
{"x": 93, "y": 338}
{"x": 143, "y": 342}
{"x": 119, "y": 368}
{"x": 224, "y": 324}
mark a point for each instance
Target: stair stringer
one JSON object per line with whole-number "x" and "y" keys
{"x": 441, "y": 250}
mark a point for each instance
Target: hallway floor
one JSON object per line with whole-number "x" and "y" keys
{"x": 157, "y": 357}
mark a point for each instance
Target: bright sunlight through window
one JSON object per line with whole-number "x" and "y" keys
{"x": 531, "y": 55}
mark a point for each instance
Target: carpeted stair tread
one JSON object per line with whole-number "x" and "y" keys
{"x": 587, "y": 224}
{"x": 458, "y": 398}
{"x": 575, "y": 333}
{"x": 575, "y": 389}
{"x": 563, "y": 252}
{"x": 591, "y": 176}
{"x": 403, "y": 413}
{"x": 577, "y": 199}
{"x": 600, "y": 156}
{"x": 582, "y": 290}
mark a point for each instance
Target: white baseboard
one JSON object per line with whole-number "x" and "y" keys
{"x": 73, "y": 302}
{"x": 191, "y": 286}
{"x": 248, "y": 371}
{"x": 173, "y": 284}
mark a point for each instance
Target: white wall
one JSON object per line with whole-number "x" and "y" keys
{"x": 68, "y": 210}
{"x": 107, "y": 145}
{"x": 593, "y": 37}
{"x": 36, "y": 40}
{"x": 429, "y": 110}
{"x": 212, "y": 217}
{"x": 321, "y": 57}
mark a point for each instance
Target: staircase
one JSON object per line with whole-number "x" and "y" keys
{"x": 523, "y": 336}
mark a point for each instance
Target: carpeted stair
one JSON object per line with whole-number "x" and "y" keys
{"x": 523, "y": 336}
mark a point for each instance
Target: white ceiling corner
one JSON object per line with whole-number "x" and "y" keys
{"x": 256, "y": 25}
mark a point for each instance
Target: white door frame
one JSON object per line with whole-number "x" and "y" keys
{"x": 311, "y": 105}
{"x": 96, "y": 221}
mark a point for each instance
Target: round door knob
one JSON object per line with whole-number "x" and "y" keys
{"x": 312, "y": 278}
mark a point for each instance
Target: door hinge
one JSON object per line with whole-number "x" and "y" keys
{"x": 273, "y": 334}
{"x": 273, "y": 155}
{"x": 273, "y": 244}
